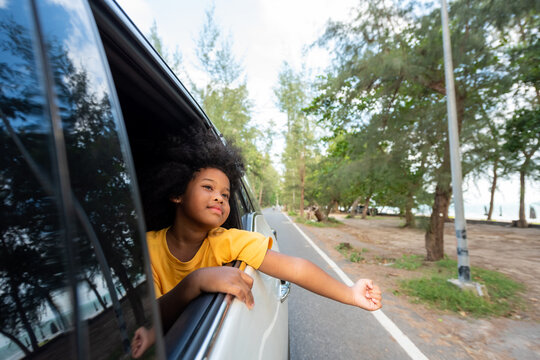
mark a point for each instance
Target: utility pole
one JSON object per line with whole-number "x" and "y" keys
{"x": 464, "y": 270}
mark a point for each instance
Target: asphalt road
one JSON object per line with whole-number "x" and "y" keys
{"x": 320, "y": 328}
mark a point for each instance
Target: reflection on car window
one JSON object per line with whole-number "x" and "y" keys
{"x": 113, "y": 295}
{"x": 33, "y": 294}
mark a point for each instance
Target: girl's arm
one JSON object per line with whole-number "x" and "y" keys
{"x": 311, "y": 277}
{"x": 223, "y": 279}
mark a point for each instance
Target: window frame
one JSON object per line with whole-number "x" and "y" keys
{"x": 193, "y": 333}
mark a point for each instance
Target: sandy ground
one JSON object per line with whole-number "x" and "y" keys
{"x": 445, "y": 335}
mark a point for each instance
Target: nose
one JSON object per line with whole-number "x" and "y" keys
{"x": 219, "y": 199}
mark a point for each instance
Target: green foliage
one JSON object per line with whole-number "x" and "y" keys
{"x": 291, "y": 98}
{"x": 409, "y": 262}
{"x": 384, "y": 101}
{"x": 350, "y": 253}
{"x": 174, "y": 59}
{"x": 225, "y": 99}
{"x": 434, "y": 289}
{"x": 522, "y": 137}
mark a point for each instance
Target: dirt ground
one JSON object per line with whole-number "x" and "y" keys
{"x": 445, "y": 335}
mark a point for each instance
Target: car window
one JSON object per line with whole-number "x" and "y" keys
{"x": 60, "y": 287}
{"x": 34, "y": 297}
{"x": 244, "y": 208}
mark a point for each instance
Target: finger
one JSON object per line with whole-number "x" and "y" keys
{"x": 250, "y": 300}
{"x": 243, "y": 293}
{"x": 247, "y": 295}
{"x": 369, "y": 284}
{"x": 135, "y": 351}
{"x": 247, "y": 279}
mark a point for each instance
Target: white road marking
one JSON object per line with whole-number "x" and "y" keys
{"x": 381, "y": 317}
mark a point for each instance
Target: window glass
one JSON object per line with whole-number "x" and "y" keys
{"x": 113, "y": 291}
{"x": 34, "y": 304}
{"x": 244, "y": 207}
{"x": 114, "y": 298}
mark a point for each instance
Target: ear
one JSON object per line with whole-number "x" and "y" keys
{"x": 176, "y": 200}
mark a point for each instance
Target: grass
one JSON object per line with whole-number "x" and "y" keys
{"x": 350, "y": 253}
{"x": 409, "y": 262}
{"x": 435, "y": 290}
{"x": 330, "y": 222}
{"x": 333, "y": 220}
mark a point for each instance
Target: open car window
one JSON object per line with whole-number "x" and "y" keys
{"x": 154, "y": 105}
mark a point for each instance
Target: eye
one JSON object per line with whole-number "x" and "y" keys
{"x": 225, "y": 196}
{"x": 207, "y": 187}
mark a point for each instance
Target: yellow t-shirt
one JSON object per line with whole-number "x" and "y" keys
{"x": 220, "y": 247}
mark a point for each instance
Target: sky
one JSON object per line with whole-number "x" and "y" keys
{"x": 264, "y": 34}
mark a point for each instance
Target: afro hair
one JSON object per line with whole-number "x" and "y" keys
{"x": 176, "y": 161}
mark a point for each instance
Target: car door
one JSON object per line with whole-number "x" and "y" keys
{"x": 262, "y": 332}
{"x": 74, "y": 279}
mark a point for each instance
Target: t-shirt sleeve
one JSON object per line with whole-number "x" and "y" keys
{"x": 157, "y": 285}
{"x": 247, "y": 246}
{"x": 152, "y": 241}
{"x": 252, "y": 248}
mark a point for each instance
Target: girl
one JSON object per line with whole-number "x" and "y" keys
{"x": 194, "y": 186}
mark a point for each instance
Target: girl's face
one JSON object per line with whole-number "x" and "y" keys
{"x": 206, "y": 200}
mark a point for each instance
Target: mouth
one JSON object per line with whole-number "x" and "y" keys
{"x": 216, "y": 209}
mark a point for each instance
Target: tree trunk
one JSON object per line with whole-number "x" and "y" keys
{"x": 13, "y": 338}
{"x": 56, "y": 310}
{"x": 318, "y": 214}
{"x": 96, "y": 293}
{"x": 132, "y": 295}
{"x": 435, "y": 234}
{"x": 366, "y": 205}
{"x": 409, "y": 216}
{"x": 434, "y": 237}
{"x": 22, "y": 314}
{"x": 329, "y": 208}
{"x": 493, "y": 188}
{"x": 522, "y": 222}
{"x": 354, "y": 205}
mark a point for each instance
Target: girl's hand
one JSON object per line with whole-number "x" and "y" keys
{"x": 142, "y": 340}
{"x": 227, "y": 280}
{"x": 366, "y": 295}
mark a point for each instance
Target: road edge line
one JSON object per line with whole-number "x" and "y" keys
{"x": 403, "y": 340}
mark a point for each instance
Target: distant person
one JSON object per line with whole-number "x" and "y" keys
{"x": 194, "y": 182}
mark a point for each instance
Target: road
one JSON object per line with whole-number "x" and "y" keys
{"x": 320, "y": 328}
